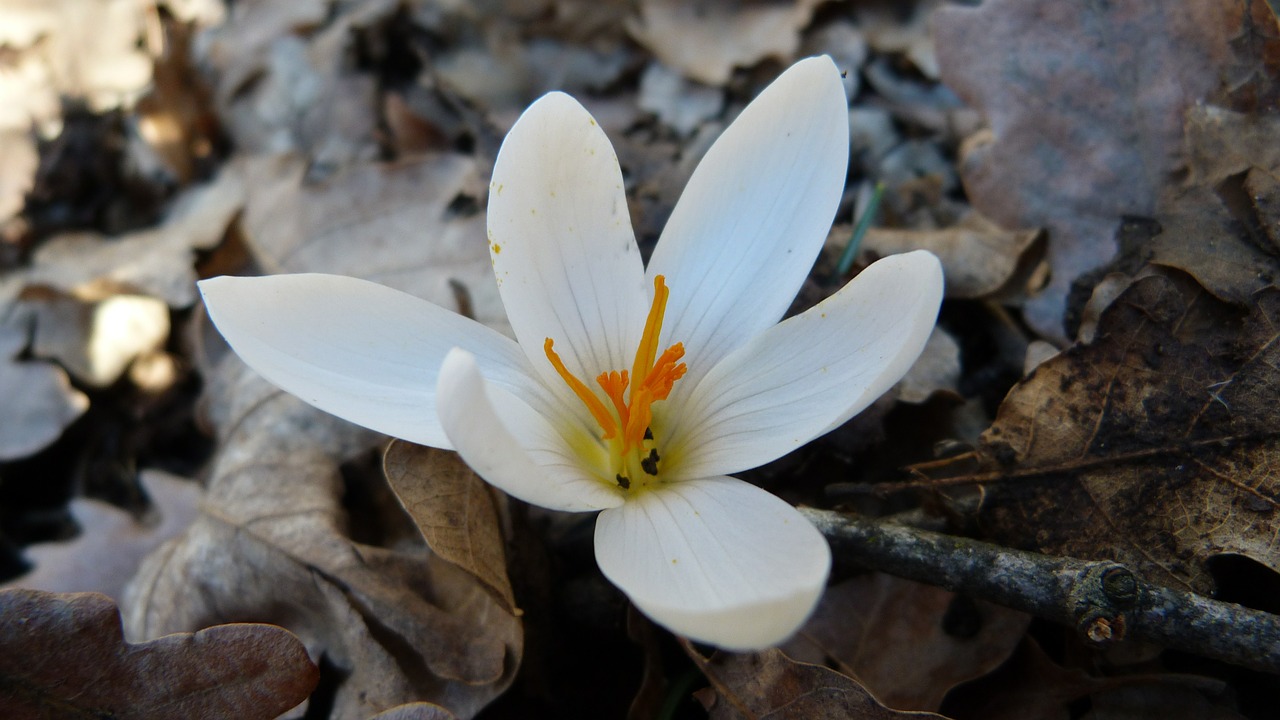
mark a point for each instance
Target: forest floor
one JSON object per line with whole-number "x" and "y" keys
{"x": 1101, "y": 182}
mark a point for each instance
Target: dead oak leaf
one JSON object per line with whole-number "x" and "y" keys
{"x": 88, "y": 51}
{"x": 706, "y": 40}
{"x": 157, "y": 261}
{"x": 978, "y": 257}
{"x": 1085, "y": 107}
{"x": 416, "y": 226}
{"x": 769, "y": 685}
{"x": 908, "y": 644}
{"x": 1206, "y": 237}
{"x": 39, "y": 400}
{"x": 454, "y": 510}
{"x": 96, "y": 336}
{"x": 1032, "y": 686}
{"x": 63, "y": 656}
{"x": 112, "y": 542}
{"x": 1222, "y": 226}
{"x": 274, "y": 542}
{"x": 1220, "y": 143}
{"x": 1154, "y": 445}
{"x": 285, "y": 80}
{"x": 415, "y": 711}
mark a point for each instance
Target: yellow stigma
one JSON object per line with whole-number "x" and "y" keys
{"x": 625, "y": 420}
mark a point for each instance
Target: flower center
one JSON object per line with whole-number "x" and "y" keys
{"x": 625, "y": 420}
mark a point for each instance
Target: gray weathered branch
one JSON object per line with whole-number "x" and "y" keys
{"x": 1104, "y": 601}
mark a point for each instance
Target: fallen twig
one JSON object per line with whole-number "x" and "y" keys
{"x": 1105, "y": 601}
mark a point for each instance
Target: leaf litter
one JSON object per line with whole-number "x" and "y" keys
{"x": 1105, "y": 206}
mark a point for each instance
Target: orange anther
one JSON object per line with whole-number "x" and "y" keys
{"x": 650, "y": 379}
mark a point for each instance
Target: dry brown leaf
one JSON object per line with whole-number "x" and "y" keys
{"x": 1203, "y": 236}
{"x": 1152, "y": 446}
{"x": 111, "y": 543}
{"x": 157, "y": 261}
{"x": 1085, "y": 105}
{"x": 239, "y": 47}
{"x": 846, "y": 44}
{"x": 1031, "y": 686}
{"x": 273, "y": 543}
{"x": 507, "y": 72}
{"x": 286, "y": 81}
{"x": 907, "y": 643}
{"x": 1221, "y": 227}
{"x": 1159, "y": 702}
{"x": 706, "y": 40}
{"x": 891, "y": 28}
{"x": 768, "y": 685}
{"x": 1252, "y": 82}
{"x": 18, "y": 161}
{"x": 936, "y": 370}
{"x": 39, "y": 402}
{"x": 416, "y": 226}
{"x": 96, "y": 339}
{"x": 415, "y": 711}
{"x": 978, "y": 257}
{"x": 62, "y": 656}
{"x": 175, "y": 118}
{"x": 84, "y": 50}
{"x": 1220, "y": 143}
{"x": 681, "y": 104}
{"x": 454, "y": 509}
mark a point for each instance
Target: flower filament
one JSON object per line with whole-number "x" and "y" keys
{"x": 625, "y": 420}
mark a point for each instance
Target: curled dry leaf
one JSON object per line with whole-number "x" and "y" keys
{"x": 1154, "y": 445}
{"x": 454, "y": 509}
{"x": 907, "y": 643}
{"x": 112, "y": 542}
{"x": 63, "y": 656}
{"x": 978, "y": 257}
{"x": 706, "y": 40}
{"x": 1085, "y": 104}
{"x": 770, "y": 685}
{"x": 273, "y": 542}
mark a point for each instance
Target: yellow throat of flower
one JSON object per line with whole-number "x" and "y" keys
{"x": 626, "y": 425}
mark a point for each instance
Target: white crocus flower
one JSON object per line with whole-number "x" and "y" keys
{"x": 632, "y": 391}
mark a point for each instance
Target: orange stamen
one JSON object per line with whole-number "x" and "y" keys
{"x": 597, "y": 408}
{"x": 653, "y": 377}
{"x": 652, "y": 328}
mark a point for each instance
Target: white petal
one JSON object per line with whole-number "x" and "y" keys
{"x": 754, "y": 215}
{"x": 362, "y": 351}
{"x": 806, "y": 375}
{"x": 717, "y": 560}
{"x": 560, "y": 237}
{"x": 515, "y": 448}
